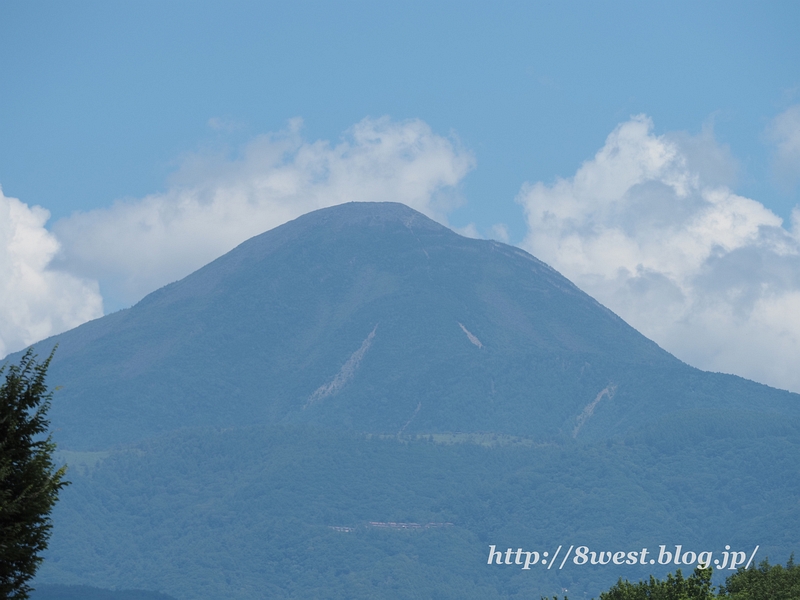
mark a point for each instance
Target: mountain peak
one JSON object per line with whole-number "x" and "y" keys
{"x": 370, "y": 213}
{"x": 369, "y": 316}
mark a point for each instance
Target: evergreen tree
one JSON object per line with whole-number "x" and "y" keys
{"x": 29, "y": 480}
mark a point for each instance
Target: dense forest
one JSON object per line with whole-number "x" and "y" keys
{"x": 290, "y": 512}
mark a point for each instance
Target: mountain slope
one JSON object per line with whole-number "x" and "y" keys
{"x": 375, "y": 318}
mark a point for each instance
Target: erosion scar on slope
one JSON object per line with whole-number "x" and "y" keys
{"x": 344, "y": 375}
{"x": 473, "y": 340}
{"x": 588, "y": 411}
{"x": 403, "y": 428}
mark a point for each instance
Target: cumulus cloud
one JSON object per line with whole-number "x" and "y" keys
{"x": 649, "y": 228}
{"x": 469, "y": 230}
{"x": 36, "y": 301}
{"x": 784, "y": 132}
{"x": 500, "y": 232}
{"x": 214, "y": 203}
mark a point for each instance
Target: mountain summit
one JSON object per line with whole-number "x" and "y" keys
{"x": 372, "y": 317}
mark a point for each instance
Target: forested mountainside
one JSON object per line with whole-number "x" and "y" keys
{"x": 238, "y": 433}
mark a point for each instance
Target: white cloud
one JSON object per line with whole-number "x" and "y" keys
{"x": 224, "y": 124}
{"x": 215, "y": 203}
{"x": 647, "y": 228}
{"x": 784, "y": 132}
{"x": 35, "y": 300}
{"x": 500, "y": 233}
{"x": 469, "y": 230}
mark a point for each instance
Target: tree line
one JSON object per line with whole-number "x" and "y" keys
{"x": 766, "y": 582}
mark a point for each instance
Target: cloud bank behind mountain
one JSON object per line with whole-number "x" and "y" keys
{"x": 649, "y": 227}
{"x": 35, "y": 299}
{"x": 215, "y": 202}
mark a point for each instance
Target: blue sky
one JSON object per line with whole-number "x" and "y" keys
{"x": 102, "y": 98}
{"x": 109, "y": 101}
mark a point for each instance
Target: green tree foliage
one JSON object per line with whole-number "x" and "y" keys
{"x": 696, "y": 587}
{"x": 29, "y": 480}
{"x": 767, "y": 582}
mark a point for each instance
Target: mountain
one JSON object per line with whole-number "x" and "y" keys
{"x": 372, "y": 317}
{"x": 360, "y": 403}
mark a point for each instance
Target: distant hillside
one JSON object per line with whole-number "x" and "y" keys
{"x": 83, "y": 592}
{"x": 252, "y": 513}
{"x": 238, "y": 434}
